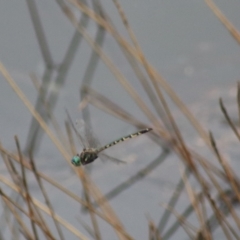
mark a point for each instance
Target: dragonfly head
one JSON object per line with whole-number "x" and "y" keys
{"x": 76, "y": 161}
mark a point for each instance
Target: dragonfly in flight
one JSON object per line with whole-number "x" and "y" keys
{"x": 88, "y": 155}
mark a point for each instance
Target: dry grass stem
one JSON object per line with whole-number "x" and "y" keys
{"x": 21, "y": 173}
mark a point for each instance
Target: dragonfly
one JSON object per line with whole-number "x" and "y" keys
{"x": 89, "y": 155}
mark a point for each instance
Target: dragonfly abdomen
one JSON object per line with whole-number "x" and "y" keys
{"x": 133, "y": 135}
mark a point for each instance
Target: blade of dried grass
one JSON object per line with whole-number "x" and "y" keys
{"x": 133, "y": 179}
{"x": 25, "y": 186}
{"x": 19, "y": 185}
{"x": 231, "y": 124}
{"x": 95, "y": 191}
{"x": 86, "y": 227}
{"x": 152, "y": 230}
{"x": 104, "y": 22}
{"x": 107, "y": 218}
{"x": 106, "y": 59}
{"x": 171, "y": 230}
{"x": 6, "y": 222}
{"x": 33, "y": 112}
{"x": 182, "y": 147}
{"x": 224, "y": 211}
{"x": 206, "y": 230}
{"x": 69, "y": 193}
{"x": 146, "y": 85}
{"x": 195, "y": 203}
{"x": 201, "y": 181}
{"x": 223, "y": 196}
{"x": 11, "y": 168}
{"x": 34, "y": 135}
{"x": 70, "y": 15}
{"x": 199, "y": 178}
{"x": 182, "y": 221}
{"x": 92, "y": 215}
{"x": 38, "y": 28}
{"x": 138, "y": 72}
{"x": 172, "y": 202}
{"x": 144, "y": 81}
{"x": 94, "y": 58}
{"x": 232, "y": 30}
{"x": 227, "y": 169}
{"x": 109, "y": 213}
{"x": 151, "y": 71}
{"x": 86, "y": 194}
{"x": 24, "y": 228}
{"x": 49, "y": 66}
{"x": 105, "y": 104}
{"x": 111, "y": 66}
{"x": 68, "y": 58}
{"x": 108, "y": 106}
{"x": 107, "y": 210}
{"x": 51, "y": 117}
{"x": 45, "y": 195}
{"x": 18, "y": 182}
{"x": 36, "y": 115}
{"x": 220, "y": 217}
{"x": 45, "y": 209}
{"x": 208, "y": 165}
{"x": 88, "y": 78}
{"x": 238, "y": 101}
{"x": 31, "y": 217}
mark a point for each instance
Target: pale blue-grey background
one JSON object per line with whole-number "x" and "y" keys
{"x": 183, "y": 40}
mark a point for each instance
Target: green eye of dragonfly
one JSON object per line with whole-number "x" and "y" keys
{"x": 76, "y": 161}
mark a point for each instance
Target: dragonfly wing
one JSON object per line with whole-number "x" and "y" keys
{"x": 82, "y": 142}
{"x": 82, "y": 131}
{"x": 92, "y": 139}
{"x": 105, "y": 156}
{"x": 85, "y": 130}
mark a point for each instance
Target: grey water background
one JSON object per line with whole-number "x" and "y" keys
{"x": 183, "y": 40}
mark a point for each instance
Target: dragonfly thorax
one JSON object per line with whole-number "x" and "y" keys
{"x": 87, "y": 156}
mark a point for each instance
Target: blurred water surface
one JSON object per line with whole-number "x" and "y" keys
{"x": 182, "y": 39}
